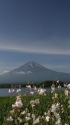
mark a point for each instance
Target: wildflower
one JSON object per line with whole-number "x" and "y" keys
{"x": 19, "y": 104}
{"x": 23, "y": 113}
{"x": 56, "y": 95}
{"x": 27, "y": 118}
{"x": 34, "y": 102}
{"x": 41, "y": 91}
{"x": 11, "y": 90}
{"x": 31, "y": 93}
{"x": 57, "y": 115}
{"x": 47, "y": 118}
{"x": 19, "y": 98}
{"x": 65, "y": 85}
{"x": 36, "y": 121}
{"x": 45, "y": 113}
{"x": 14, "y": 106}
{"x": 66, "y": 92}
{"x": 20, "y": 120}
{"x": 12, "y": 112}
{"x": 37, "y": 101}
{"x": 57, "y": 105}
{"x": 18, "y": 90}
{"x": 10, "y": 119}
{"x": 53, "y": 88}
{"x": 53, "y": 108}
{"x": 57, "y": 81}
{"x": 68, "y": 86}
{"x": 58, "y": 122}
{"x": 28, "y": 86}
{"x": 59, "y": 86}
{"x": 35, "y": 88}
{"x": 33, "y": 116}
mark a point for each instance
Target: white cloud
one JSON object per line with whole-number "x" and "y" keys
{"x": 23, "y": 73}
{"x": 41, "y": 48}
{"x": 3, "y": 72}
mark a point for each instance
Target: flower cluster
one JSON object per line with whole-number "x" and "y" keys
{"x": 55, "y": 115}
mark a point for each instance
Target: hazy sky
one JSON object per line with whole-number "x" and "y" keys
{"x": 35, "y": 30}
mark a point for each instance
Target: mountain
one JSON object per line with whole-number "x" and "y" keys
{"x": 34, "y": 72}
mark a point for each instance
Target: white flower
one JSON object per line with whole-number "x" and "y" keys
{"x": 36, "y": 121}
{"x": 47, "y": 118}
{"x": 58, "y": 122}
{"x": 14, "y": 106}
{"x": 10, "y": 119}
{"x": 31, "y": 93}
{"x": 19, "y": 98}
{"x": 19, "y": 104}
{"x": 53, "y": 108}
{"x": 56, "y": 95}
{"x": 28, "y": 86}
{"x": 37, "y": 101}
{"x": 57, "y": 115}
{"x": 59, "y": 86}
{"x": 57, "y": 105}
{"x": 32, "y": 102}
{"x": 19, "y": 119}
{"x": 68, "y": 86}
{"x": 11, "y": 91}
{"x": 53, "y": 89}
{"x": 12, "y": 112}
{"x": 57, "y": 81}
{"x": 66, "y": 92}
{"x": 41, "y": 91}
{"x": 27, "y": 118}
{"x": 35, "y": 88}
{"x": 33, "y": 116}
{"x": 23, "y": 113}
{"x": 45, "y": 113}
{"x": 65, "y": 85}
{"x": 18, "y": 90}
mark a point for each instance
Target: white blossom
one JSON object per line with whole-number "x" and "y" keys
{"x": 20, "y": 120}
{"x": 10, "y": 119}
{"x": 47, "y": 118}
{"x": 36, "y": 121}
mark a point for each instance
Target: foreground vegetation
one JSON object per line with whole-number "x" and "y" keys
{"x": 51, "y": 108}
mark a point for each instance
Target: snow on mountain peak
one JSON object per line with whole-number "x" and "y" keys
{"x": 34, "y": 64}
{"x": 31, "y": 65}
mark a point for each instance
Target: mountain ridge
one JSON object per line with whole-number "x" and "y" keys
{"x": 34, "y": 72}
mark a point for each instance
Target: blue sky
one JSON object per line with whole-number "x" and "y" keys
{"x": 35, "y": 30}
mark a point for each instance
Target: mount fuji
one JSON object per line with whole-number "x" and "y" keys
{"x": 34, "y": 72}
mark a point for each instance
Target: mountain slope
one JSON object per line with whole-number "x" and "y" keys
{"x": 34, "y": 72}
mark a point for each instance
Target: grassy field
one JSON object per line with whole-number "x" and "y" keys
{"x": 42, "y": 110}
